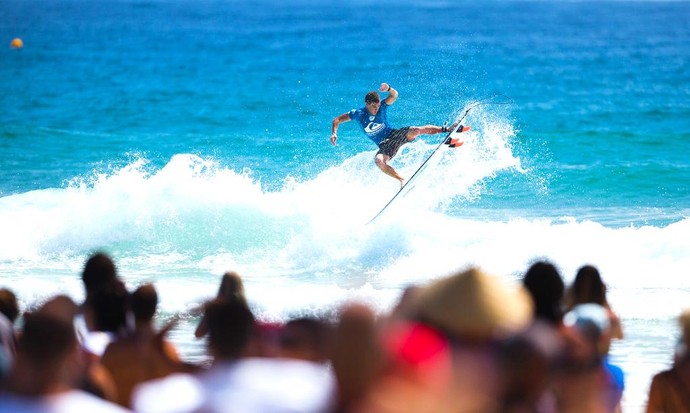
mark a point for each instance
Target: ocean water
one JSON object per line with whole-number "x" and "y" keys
{"x": 188, "y": 138}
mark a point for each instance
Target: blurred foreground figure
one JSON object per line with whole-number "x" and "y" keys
{"x": 439, "y": 352}
{"x": 9, "y": 311}
{"x": 589, "y": 381}
{"x": 306, "y": 338}
{"x": 670, "y": 389}
{"x": 231, "y": 289}
{"x": 235, "y": 381}
{"x": 144, "y": 353}
{"x": 48, "y": 364}
{"x": 588, "y": 287}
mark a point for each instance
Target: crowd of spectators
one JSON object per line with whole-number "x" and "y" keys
{"x": 467, "y": 342}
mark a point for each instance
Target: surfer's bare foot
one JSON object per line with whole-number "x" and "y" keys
{"x": 402, "y": 182}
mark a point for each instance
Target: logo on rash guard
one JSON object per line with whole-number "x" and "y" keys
{"x": 372, "y": 128}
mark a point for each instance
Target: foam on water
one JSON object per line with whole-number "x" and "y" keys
{"x": 306, "y": 246}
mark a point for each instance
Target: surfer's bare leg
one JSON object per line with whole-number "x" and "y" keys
{"x": 382, "y": 162}
{"x": 415, "y": 131}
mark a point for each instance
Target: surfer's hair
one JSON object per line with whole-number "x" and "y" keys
{"x": 372, "y": 97}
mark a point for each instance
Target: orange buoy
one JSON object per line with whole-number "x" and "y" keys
{"x": 17, "y": 43}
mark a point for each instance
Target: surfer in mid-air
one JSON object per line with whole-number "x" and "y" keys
{"x": 374, "y": 122}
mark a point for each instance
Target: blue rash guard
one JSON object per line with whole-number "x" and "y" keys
{"x": 376, "y": 126}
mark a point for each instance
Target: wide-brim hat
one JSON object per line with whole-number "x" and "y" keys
{"x": 474, "y": 305}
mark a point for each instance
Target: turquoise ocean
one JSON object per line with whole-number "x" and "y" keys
{"x": 189, "y": 138}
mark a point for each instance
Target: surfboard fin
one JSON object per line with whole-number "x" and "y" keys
{"x": 454, "y": 143}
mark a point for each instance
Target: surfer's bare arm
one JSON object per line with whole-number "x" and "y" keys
{"x": 334, "y": 128}
{"x": 392, "y": 93}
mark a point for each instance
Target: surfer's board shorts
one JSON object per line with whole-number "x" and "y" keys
{"x": 396, "y": 139}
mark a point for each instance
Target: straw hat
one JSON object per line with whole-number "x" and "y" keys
{"x": 475, "y": 305}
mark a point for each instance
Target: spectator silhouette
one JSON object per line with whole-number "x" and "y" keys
{"x": 591, "y": 383}
{"x": 670, "y": 389}
{"x": 532, "y": 359}
{"x": 437, "y": 353}
{"x": 306, "y": 338}
{"x": 266, "y": 336}
{"x": 231, "y": 289}
{"x": 105, "y": 307}
{"x": 529, "y": 369}
{"x": 357, "y": 357}
{"x": 103, "y": 318}
{"x": 9, "y": 311}
{"x": 99, "y": 273}
{"x": 48, "y": 364}
{"x": 477, "y": 310}
{"x": 143, "y": 354}
{"x": 235, "y": 381}
{"x": 588, "y": 287}
{"x": 545, "y": 285}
